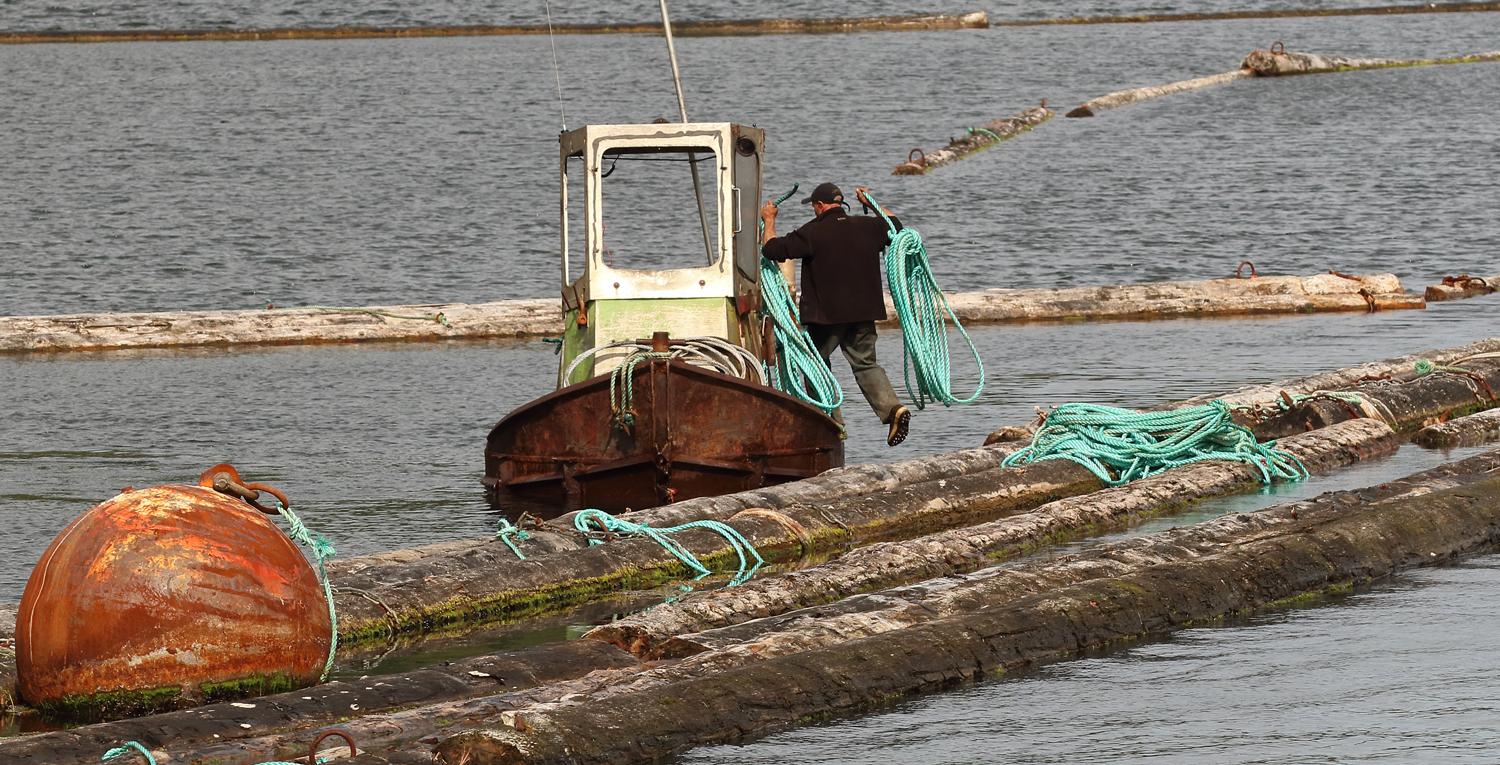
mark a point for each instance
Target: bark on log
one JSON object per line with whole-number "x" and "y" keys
{"x": 977, "y": 139}
{"x": 1463, "y": 431}
{"x": 1123, "y": 97}
{"x": 535, "y": 318}
{"x": 404, "y": 736}
{"x": 1311, "y": 554}
{"x": 1289, "y": 13}
{"x": 966, "y": 549}
{"x": 1277, "y": 63}
{"x": 1462, "y": 287}
{"x": 473, "y": 677}
{"x": 928, "y": 22}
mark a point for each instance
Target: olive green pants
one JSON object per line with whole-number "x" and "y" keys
{"x": 857, "y": 339}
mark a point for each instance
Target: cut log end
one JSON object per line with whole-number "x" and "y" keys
{"x": 479, "y": 747}
{"x": 910, "y": 168}
{"x": 1082, "y": 111}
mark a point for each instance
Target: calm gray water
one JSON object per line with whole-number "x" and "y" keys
{"x": 227, "y": 175}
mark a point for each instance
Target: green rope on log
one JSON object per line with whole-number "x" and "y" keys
{"x": 799, "y": 370}
{"x": 924, "y": 312}
{"x": 973, "y": 130}
{"x": 440, "y": 318}
{"x": 321, "y": 551}
{"x": 507, "y": 533}
{"x": 135, "y": 747}
{"x": 1424, "y": 367}
{"x": 622, "y": 388}
{"x": 1121, "y": 445}
{"x": 585, "y": 520}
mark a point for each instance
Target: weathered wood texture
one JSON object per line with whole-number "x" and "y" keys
{"x": 1288, "y": 13}
{"x": 477, "y": 676}
{"x": 1123, "y": 97}
{"x": 1462, "y": 287}
{"x": 1463, "y": 431}
{"x": 1326, "y": 544}
{"x": 1282, "y": 64}
{"x": 927, "y": 22}
{"x": 535, "y": 318}
{"x": 965, "y": 549}
{"x": 977, "y": 139}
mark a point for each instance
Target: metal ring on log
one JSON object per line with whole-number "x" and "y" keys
{"x": 312, "y": 751}
{"x": 1277, "y": 49}
{"x": 804, "y": 539}
{"x": 1240, "y": 270}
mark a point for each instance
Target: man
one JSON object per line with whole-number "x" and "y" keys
{"x": 841, "y": 294}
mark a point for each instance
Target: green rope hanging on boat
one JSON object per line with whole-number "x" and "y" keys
{"x": 586, "y": 521}
{"x": 622, "y": 388}
{"x": 1121, "y": 445}
{"x": 799, "y": 370}
{"x": 321, "y": 551}
{"x": 924, "y": 312}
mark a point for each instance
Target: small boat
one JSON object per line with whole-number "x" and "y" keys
{"x": 661, "y": 391}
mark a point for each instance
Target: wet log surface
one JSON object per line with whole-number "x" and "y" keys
{"x": 651, "y": 633}
{"x": 541, "y": 317}
{"x": 1123, "y": 97}
{"x": 1287, "y": 13}
{"x": 977, "y": 139}
{"x": 472, "y": 677}
{"x": 1464, "y": 431}
{"x": 1328, "y": 542}
{"x": 1267, "y": 63}
{"x": 1462, "y": 287}
{"x": 926, "y": 22}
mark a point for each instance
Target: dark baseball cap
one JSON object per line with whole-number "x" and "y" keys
{"x": 826, "y": 193}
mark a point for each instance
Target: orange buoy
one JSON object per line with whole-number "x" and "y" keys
{"x": 166, "y": 596}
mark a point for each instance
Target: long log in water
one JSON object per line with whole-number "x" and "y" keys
{"x": 1462, "y": 287}
{"x": 1325, "y": 544}
{"x": 1267, "y": 63}
{"x": 1463, "y": 431}
{"x": 966, "y": 549}
{"x": 977, "y": 139}
{"x": 1192, "y": 557}
{"x": 926, "y": 22}
{"x": 537, "y": 318}
{"x": 1382, "y": 10}
{"x": 1122, "y": 97}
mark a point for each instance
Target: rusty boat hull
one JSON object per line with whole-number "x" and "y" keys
{"x": 695, "y": 433}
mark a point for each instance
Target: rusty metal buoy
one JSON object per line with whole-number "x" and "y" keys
{"x": 167, "y": 594}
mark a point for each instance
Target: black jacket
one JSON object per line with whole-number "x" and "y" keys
{"x": 840, "y": 257}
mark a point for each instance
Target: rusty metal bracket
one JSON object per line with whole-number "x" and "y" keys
{"x": 1345, "y": 276}
{"x": 1239, "y": 271}
{"x": 224, "y": 479}
{"x": 312, "y": 751}
{"x": 1369, "y": 299}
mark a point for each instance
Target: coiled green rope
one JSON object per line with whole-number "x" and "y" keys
{"x": 586, "y": 520}
{"x": 622, "y": 388}
{"x": 508, "y": 533}
{"x": 924, "y": 312}
{"x": 1120, "y": 445}
{"x": 321, "y": 551}
{"x": 799, "y": 370}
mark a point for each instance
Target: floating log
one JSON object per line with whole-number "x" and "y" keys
{"x": 1462, "y": 287}
{"x": 1382, "y": 10}
{"x": 1122, "y": 97}
{"x": 926, "y": 22}
{"x": 1323, "y": 545}
{"x": 473, "y": 677}
{"x": 1463, "y": 431}
{"x": 965, "y": 549}
{"x": 976, "y": 139}
{"x": 537, "y": 318}
{"x": 1276, "y": 62}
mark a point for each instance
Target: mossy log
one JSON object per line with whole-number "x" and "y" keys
{"x": 1462, "y": 431}
{"x": 1462, "y": 287}
{"x": 1279, "y": 63}
{"x": 925, "y": 22}
{"x": 1283, "y": 13}
{"x": 1123, "y": 97}
{"x": 1324, "y": 544}
{"x": 976, "y": 139}
{"x": 965, "y": 549}
{"x": 477, "y": 676}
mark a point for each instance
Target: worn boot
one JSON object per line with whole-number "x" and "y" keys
{"x": 899, "y": 419}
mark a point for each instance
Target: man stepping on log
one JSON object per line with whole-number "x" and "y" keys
{"x": 841, "y": 294}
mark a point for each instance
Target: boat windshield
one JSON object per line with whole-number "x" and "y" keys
{"x": 648, "y": 213}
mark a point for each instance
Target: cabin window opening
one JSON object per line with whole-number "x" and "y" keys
{"x": 649, "y": 219}
{"x": 574, "y": 215}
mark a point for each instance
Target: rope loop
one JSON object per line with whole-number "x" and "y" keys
{"x": 1121, "y": 445}
{"x": 321, "y": 551}
{"x": 799, "y": 370}
{"x": 587, "y": 521}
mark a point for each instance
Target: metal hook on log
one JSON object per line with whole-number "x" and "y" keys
{"x": 1277, "y": 49}
{"x": 312, "y": 751}
{"x": 1239, "y": 271}
{"x": 915, "y": 164}
{"x": 224, "y": 479}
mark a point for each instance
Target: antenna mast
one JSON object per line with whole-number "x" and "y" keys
{"x": 666, "y": 25}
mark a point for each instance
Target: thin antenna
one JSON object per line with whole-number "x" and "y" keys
{"x": 666, "y": 25}
{"x": 558, "y": 72}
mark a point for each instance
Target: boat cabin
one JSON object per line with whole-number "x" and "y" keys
{"x": 659, "y": 234}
